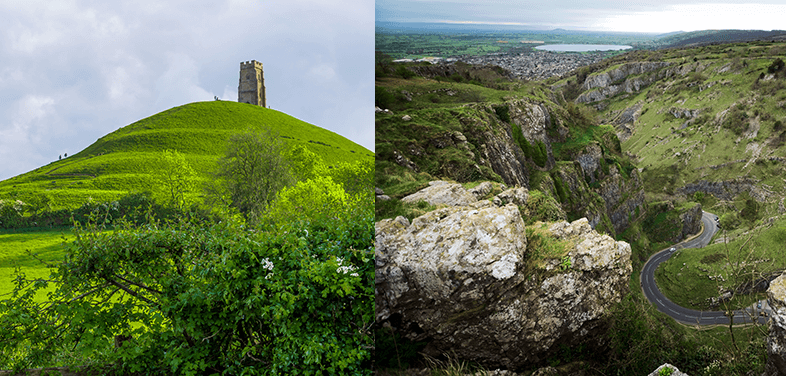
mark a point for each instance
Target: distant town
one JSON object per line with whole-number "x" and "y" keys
{"x": 537, "y": 65}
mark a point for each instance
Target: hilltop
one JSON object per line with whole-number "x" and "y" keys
{"x": 125, "y": 160}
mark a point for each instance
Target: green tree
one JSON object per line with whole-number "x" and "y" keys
{"x": 176, "y": 177}
{"x": 251, "y": 172}
{"x": 304, "y": 163}
{"x": 309, "y": 199}
{"x": 357, "y": 178}
{"x": 729, "y": 221}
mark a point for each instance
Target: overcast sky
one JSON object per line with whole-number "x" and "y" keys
{"x": 651, "y": 16}
{"x": 73, "y": 71}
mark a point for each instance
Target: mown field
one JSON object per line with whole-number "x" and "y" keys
{"x": 29, "y": 251}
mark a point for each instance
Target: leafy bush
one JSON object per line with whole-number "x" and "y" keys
{"x": 251, "y": 172}
{"x": 403, "y": 72}
{"x": 776, "y": 66}
{"x": 195, "y": 299}
{"x": 177, "y": 177}
{"x": 383, "y": 98}
{"x": 736, "y": 121}
{"x": 11, "y": 213}
{"x": 525, "y": 146}
{"x": 729, "y": 221}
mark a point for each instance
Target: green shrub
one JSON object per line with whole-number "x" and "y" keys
{"x": 525, "y": 146}
{"x": 776, "y": 66}
{"x": 383, "y": 98}
{"x": 202, "y": 299}
{"x": 540, "y": 155}
{"x": 729, "y": 221}
{"x": 403, "y": 72}
{"x": 503, "y": 114}
{"x": 542, "y": 207}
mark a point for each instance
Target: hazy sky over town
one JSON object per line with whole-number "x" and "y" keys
{"x": 75, "y": 70}
{"x": 650, "y": 16}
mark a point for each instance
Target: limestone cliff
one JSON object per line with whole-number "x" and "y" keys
{"x": 465, "y": 280}
{"x": 776, "y": 341}
{"x": 627, "y": 78}
{"x": 515, "y": 142}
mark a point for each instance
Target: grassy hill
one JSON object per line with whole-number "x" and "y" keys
{"x": 124, "y": 160}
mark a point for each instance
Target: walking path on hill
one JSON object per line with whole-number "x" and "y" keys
{"x": 685, "y": 315}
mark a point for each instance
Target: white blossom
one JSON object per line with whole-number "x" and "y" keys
{"x": 344, "y": 269}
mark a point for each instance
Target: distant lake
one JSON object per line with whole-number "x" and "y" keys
{"x": 581, "y": 47}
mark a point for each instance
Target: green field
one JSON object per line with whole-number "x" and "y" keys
{"x": 16, "y": 249}
{"x": 125, "y": 160}
{"x": 413, "y": 44}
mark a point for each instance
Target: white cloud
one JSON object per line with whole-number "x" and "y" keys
{"x": 691, "y": 17}
{"x": 323, "y": 72}
{"x": 230, "y": 94}
{"x": 179, "y": 84}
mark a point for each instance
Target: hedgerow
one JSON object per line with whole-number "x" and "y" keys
{"x": 189, "y": 298}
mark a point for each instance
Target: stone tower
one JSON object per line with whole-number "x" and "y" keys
{"x": 252, "y": 84}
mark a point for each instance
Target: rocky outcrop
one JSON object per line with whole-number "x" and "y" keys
{"x": 685, "y": 113}
{"x": 442, "y": 193}
{"x": 533, "y": 119}
{"x": 663, "y": 370}
{"x": 626, "y": 122}
{"x": 728, "y": 190}
{"x": 621, "y": 73}
{"x": 624, "y": 198}
{"x": 403, "y": 161}
{"x": 776, "y": 340}
{"x": 589, "y": 160}
{"x": 497, "y": 150}
{"x": 579, "y": 197}
{"x": 481, "y": 189}
{"x": 600, "y": 196}
{"x": 380, "y": 194}
{"x": 463, "y": 279}
{"x": 691, "y": 221}
{"x": 516, "y": 195}
{"x": 607, "y": 84}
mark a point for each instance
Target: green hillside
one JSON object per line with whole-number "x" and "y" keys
{"x": 124, "y": 161}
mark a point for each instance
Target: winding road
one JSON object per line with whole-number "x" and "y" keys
{"x": 681, "y": 314}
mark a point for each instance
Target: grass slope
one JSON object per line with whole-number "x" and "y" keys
{"x": 124, "y": 161}
{"x": 735, "y": 133}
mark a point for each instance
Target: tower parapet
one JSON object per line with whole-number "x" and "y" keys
{"x": 251, "y": 88}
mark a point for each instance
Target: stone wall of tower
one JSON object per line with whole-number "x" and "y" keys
{"x": 252, "y": 84}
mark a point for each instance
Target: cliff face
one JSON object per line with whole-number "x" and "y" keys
{"x": 465, "y": 280}
{"x": 728, "y": 190}
{"x": 487, "y": 142}
{"x": 607, "y": 84}
{"x": 776, "y": 341}
{"x": 691, "y": 221}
